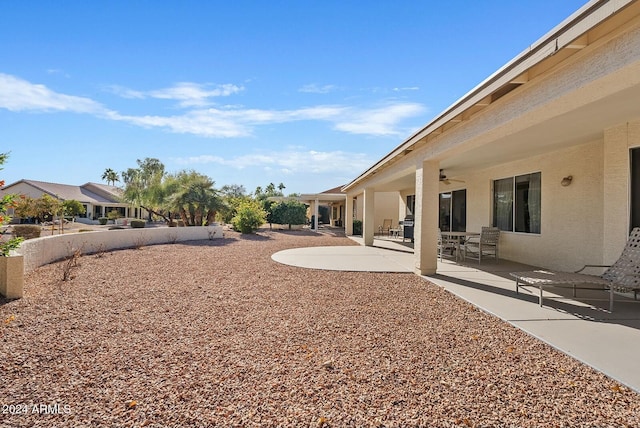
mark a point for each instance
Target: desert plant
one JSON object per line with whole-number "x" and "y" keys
{"x": 27, "y": 231}
{"x": 70, "y": 263}
{"x": 103, "y": 220}
{"x": 140, "y": 242}
{"x": 249, "y": 217}
{"x": 138, "y": 224}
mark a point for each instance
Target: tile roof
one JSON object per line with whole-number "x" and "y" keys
{"x": 93, "y": 193}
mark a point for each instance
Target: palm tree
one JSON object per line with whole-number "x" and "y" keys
{"x": 110, "y": 176}
{"x": 193, "y": 196}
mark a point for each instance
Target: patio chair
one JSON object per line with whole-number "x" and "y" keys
{"x": 623, "y": 276}
{"x": 386, "y": 226}
{"x": 447, "y": 244}
{"x": 485, "y": 245}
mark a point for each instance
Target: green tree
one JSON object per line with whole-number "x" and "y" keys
{"x": 110, "y": 176}
{"x": 46, "y": 207}
{"x": 25, "y": 206}
{"x": 249, "y": 217}
{"x": 6, "y": 202}
{"x": 289, "y": 212}
{"x": 73, "y": 208}
{"x": 233, "y": 196}
{"x": 143, "y": 187}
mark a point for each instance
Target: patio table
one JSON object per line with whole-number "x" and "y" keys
{"x": 458, "y": 237}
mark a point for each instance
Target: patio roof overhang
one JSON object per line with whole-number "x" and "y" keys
{"x": 323, "y": 197}
{"x": 589, "y": 25}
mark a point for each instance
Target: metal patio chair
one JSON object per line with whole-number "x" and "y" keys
{"x": 485, "y": 245}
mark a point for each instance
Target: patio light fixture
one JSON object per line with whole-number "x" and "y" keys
{"x": 567, "y": 180}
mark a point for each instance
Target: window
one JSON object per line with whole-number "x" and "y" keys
{"x": 516, "y": 203}
{"x": 453, "y": 211}
{"x": 635, "y": 187}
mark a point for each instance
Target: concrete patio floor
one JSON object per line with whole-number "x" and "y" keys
{"x": 579, "y": 326}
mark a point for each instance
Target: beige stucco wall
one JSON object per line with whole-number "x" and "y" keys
{"x": 584, "y": 223}
{"x": 572, "y": 217}
{"x": 387, "y": 205}
{"x": 41, "y": 251}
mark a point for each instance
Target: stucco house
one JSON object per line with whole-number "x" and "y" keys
{"x": 547, "y": 149}
{"x": 98, "y": 199}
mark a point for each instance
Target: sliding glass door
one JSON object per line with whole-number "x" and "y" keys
{"x": 453, "y": 211}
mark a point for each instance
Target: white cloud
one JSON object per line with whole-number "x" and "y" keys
{"x": 408, "y": 88}
{"x": 379, "y": 121}
{"x": 222, "y": 122}
{"x": 313, "y": 88}
{"x": 188, "y": 94}
{"x": 123, "y": 92}
{"x": 194, "y": 94}
{"x": 289, "y": 161}
{"x": 206, "y": 123}
{"x": 19, "y": 95}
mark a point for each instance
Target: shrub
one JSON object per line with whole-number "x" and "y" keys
{"x": 27, "y": 231}
{"x": 138, "y": 224}
{"x": 249, "y": 217}
{"x": 113, "y": 215}
{"x": 357, "y": 227}
{"x": 103, "y": 220}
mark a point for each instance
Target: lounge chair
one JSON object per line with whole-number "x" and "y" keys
{"x": 485, "y": 245}
{"x": 623, "y": 276}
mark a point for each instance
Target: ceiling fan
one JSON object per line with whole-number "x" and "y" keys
{"x": 445, "y": 180}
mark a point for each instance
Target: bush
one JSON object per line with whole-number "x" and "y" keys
{"x": 103, "y": 220}
{"x": 27, "y": 231}
{"x": 138, "y": 224}
{"x": 249, "y": 217}
{"x": 357, "y": 227}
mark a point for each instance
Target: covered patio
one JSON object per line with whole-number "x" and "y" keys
{"x": 550, "y": 136}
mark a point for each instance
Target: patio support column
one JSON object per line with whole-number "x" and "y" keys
{"x": 368, "y": 226}
{"x": 348, "y": 216}
{"x": 315, "y": 211}
{"x": 426, "y": 218}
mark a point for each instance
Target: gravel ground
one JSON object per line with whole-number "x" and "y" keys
{"x": 215, "y": 333}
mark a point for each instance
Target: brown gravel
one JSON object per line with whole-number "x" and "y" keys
{"x": 215, "y": 333}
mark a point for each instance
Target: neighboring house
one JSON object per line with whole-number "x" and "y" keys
{"x": 547, "y": 149}
{"x": 98, "y": 199}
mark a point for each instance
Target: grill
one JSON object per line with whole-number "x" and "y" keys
{"x": 407, "y": 228}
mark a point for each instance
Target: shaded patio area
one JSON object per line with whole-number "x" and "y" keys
{"x": 580, "y": 326}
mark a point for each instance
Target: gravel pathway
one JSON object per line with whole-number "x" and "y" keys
{"x": 215, "y": 333}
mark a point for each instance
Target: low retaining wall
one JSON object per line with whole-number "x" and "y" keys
{"x": 41, "y": 251}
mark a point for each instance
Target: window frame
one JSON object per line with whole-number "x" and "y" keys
{"x": 514, "y": 217}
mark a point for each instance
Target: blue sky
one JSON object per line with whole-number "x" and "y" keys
{"x": 307, "y": 93}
